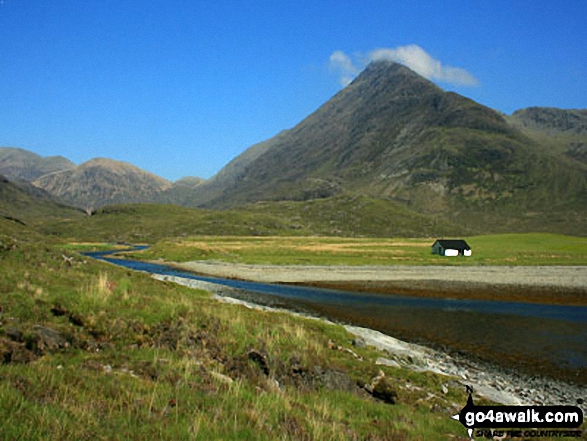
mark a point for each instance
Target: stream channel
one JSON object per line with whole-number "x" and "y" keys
{"x": 533, "y": 338}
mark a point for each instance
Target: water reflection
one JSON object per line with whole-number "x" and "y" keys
{"x": 540, "y": 338}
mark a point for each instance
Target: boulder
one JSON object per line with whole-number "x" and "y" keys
{"x": 46, "y": 340}
{"x": 382, "y": 389}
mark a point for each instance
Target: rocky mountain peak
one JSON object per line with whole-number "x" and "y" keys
{"x": 102, "y": 181}
{"x": 552, "y": 120}
{"x": 19, "y": 164}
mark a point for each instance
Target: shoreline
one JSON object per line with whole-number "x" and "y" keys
{"x": 493, "y": 382}
{"x": 557, "y": 285}
{"x": 547, "y": 295}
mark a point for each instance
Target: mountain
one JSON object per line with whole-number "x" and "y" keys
{"x": 189, "y": 181}
{"x": 92, "y": 184}
{"x": 23, "y": 204}
{"x": 181, "y": 192}
{"x": 19, "y": 164}
{"x": 102, "y": 181}
{"x": 388, "y": 131}
{"x": 552, "y": 120}
{"x": 390, "y": 135}
{"x": 233, "y": 172}
{"x": 562, "y": 130}
{"x": 393, "y": 134}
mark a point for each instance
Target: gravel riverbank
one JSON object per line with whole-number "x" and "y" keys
{"x": 495, "y": 383}
{"x": 564, "y": 285}
{"x": 551, "y": 276}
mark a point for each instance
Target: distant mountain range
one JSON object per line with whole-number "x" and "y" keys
{"x": 564, "y": 131}
{"x": 103, "y": 181}
{"x": 551, "y": 120}
{"x": 94, "y": 183}
{"x": 19, "y": 164}
{"x": 391, "y": 135}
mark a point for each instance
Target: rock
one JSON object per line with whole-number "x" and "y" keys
{"x": 444, "y": 389}
{"x": 46, "y": 340}
{"x": 221, "y": 377}
{"x": 260, "y": 360}
{"x": 382, "y": 389}
{"x": 68, "y": 260}
{"x": 14, "y": 352}
{"x": 273, "y": 385}
{"x": 359, "y": 342}
{"x": 334, "y": 380}
{"x": 386, "y": 362}
{"x": 335, "y": 347}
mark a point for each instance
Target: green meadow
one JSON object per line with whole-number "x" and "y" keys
{"x": 504, "y": 249}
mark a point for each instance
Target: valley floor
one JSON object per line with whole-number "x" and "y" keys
{"x": 565, "y": 285}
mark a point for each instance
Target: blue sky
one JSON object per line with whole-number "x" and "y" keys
{"x": 180, "y": 88}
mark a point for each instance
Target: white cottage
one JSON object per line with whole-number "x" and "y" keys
{"x": 451, "y": 247}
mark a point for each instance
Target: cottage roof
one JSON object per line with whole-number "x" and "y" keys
{"x": 454, "y": 244}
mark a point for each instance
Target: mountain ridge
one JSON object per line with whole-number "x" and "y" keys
{"x": 552, "y": 120}
{"x": 20, "y": 164}
{"x": 564, "y": 131}
{"x": 393, "y": 135}
{"x": 102, "y": 181}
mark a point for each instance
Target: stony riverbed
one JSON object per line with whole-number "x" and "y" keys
{"x": 563, "y": 285}
{"x": 493, "y": 382}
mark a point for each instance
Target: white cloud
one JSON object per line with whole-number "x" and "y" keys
{"x": 412, "y": 56}
{"x": 344, "y": 66}
{"x": 420, "y": 61}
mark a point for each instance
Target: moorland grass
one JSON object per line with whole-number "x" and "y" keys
{"x": 506, "y": 249}
{"x": 145, "y": 359}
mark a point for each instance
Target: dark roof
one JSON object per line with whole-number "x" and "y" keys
{"x": 455, "y": 244}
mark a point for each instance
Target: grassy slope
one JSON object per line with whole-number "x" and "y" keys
{"x": 152, "y": 222}
{"x": 340, "y": 216}
{"x": 508, "y": 249}
{"x": 35, "y": 211}
{"x": 138, "y": 358}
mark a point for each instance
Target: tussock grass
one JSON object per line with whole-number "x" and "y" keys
{"x": 99, "y": 289}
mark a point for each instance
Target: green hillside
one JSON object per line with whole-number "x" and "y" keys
{"x": 24, "y": 204}
{"x": 351, "y": 216}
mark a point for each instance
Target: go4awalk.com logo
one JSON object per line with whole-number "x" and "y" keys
{"x": 519, "y": 421}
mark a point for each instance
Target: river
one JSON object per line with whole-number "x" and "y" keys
{"x": 534, "y": 338}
